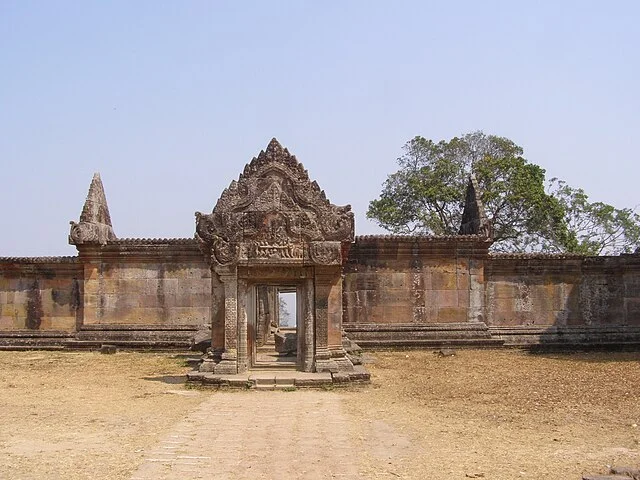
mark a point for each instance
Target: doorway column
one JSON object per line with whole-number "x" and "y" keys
{"x": 229, "y": 357}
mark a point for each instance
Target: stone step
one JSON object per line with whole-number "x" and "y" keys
{"x": 261, "y": 380}
{"x": 372, "y": 342}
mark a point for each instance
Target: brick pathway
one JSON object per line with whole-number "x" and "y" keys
{"x": 257, "y": 435}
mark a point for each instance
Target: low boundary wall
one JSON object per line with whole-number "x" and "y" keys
{"x": 398, "y": 291}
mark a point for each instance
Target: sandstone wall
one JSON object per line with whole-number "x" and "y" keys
{"x": 415, "y": 291}
{"x": 397, "y": 291}
{"x": 407, "y": 280}
{"x": 136, "y": 293}
{"x": 563, "y": 299}
{"x": 40, "y": 294}
{"x": 430, "y": 291}
{"x": 120, "y": 291}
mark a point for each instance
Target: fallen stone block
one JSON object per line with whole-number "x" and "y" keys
{"x": 286, "y": 343}
{"x": 446, "y": 352}
{"x": 628, "y": 471}
{"x": 201, "y": 340}
{"x": 108, "y": 349}
{"x": 605, "y": 477}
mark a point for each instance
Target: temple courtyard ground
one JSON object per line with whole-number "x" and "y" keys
{"x": 479, "y": 414}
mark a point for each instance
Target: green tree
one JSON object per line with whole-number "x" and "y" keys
{"x": 426, "y": 194}
{"x": 594, "y": 228}
{"x": 283, "y": 312}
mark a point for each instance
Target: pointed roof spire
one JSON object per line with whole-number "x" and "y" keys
{"x": 95, "y": 208}
{"x": 274, "y": 149}
{"x": 474, "y": 220}
{"x": 95, "y": 220}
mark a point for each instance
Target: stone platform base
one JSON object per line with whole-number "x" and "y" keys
{"x": 136, "y": 337}
{"x": 279, "y": 380}
{"x": 411, "y": 335}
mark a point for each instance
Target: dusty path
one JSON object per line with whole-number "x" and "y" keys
{"x": 237, "y": 435}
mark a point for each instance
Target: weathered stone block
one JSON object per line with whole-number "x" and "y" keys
{"x": 398, "y": 280}
{"x": 462, "y": 280}
{"x": 446, "y": 298}
{"x": 452, "y": 314}
{"x": 188, "y": 315}
{"x": 92, "y": 287}
{"x": 501, "y": 305}
{"x": 463, "y": 298}
{"x": 398, "y": 314}
{"x": 443, "y": 280}
{"x": 395, "y": 296}
{"x": 9, "y": 323}
{"x": 207, "y": 366}
{"x": 374, "y": 315}
{"x": 423, "y": 315}
{"x": 63, "y": 323}
{"x": 368, "y": 298}
{"x": 366, "y": 281}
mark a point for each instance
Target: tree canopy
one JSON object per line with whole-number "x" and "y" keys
{"x": 426, "y": 196}
{"x": 595, "y": 228}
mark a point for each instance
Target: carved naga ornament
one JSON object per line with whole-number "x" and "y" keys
{"x": 274, "y": 213}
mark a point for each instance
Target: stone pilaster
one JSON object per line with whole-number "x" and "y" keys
{"x": 307, "y": 326}
{"x": 241, "y": 338}
{"x": 476, "y": 311}
{"x": 330, "y": 355}
{"x": 229, "y": 357}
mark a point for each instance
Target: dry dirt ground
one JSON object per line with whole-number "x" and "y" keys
{"x": 480, "y": 414}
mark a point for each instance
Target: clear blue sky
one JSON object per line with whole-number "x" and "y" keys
{"x": 168, "y": 100}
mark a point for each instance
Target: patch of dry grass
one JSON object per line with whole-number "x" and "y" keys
{"x": 507, "y": 413}
{"x": 85, "y": 415}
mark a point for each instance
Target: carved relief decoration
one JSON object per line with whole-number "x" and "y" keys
{"x": 326, "y": 253}
{"x": 271, "y": 212}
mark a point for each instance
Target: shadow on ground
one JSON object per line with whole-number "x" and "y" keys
{"x": 169, "y": 379}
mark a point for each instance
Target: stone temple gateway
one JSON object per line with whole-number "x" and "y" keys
{"x": 273, "y": 232}
{"x": 275, "y": 227}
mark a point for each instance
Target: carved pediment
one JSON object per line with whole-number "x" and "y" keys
{"x": 272, "y": 209}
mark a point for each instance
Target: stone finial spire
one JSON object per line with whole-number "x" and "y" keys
{"x": 95, "y": 222}
{"x": 474, "y": 220}
{"x": 95, "y": 208}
